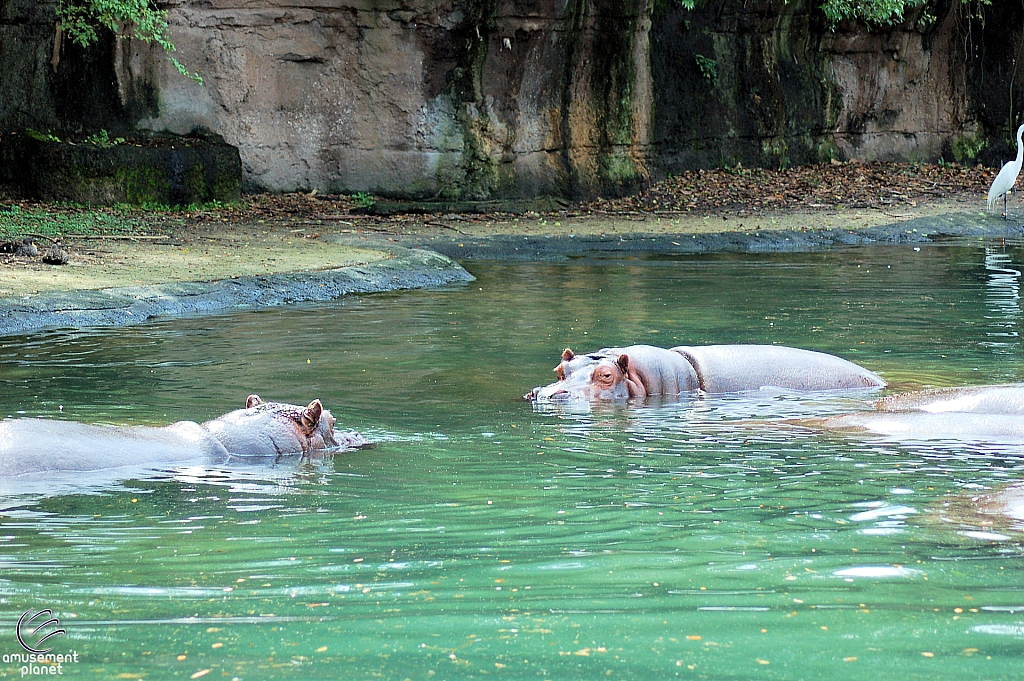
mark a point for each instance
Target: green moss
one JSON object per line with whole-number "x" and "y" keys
{"x": 967, "y": 147}
{"x": 617, "y": 168}
{"x": 613, "y": 85}
{"x": 194, "y": 183}
{"x": 143, "y": 185}
{"x": 226, "y": 187}
{"x": 775, "y": 150}
{"x": 477, "y": 175}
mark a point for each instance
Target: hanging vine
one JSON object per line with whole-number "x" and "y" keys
{"x": 81, "y": 20}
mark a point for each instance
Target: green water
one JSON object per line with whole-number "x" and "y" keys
{"x": 483, "y": 538}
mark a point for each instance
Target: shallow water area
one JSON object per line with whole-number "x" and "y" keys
{"x": 483, "y": 537}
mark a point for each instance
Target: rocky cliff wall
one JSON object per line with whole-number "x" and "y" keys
{"x": 766, "y": 83}
{"x": 517, "y": 98}
{"x": 414, "y": 98}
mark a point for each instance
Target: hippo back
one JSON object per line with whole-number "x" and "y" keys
{"x": 30, "y": 446}
{"x": 920, "y": 425}
{"x": 983, "y": 399}
{"x": 1008, "y": 502}
{"x": 733, "y": 368}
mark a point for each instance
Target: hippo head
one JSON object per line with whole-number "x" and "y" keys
{"x": 586, "y": 377}
{"x": 571, "y": 363}
{"x": 273, "y": 428}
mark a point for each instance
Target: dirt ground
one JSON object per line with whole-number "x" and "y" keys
{"x": 190, "y": 255}
{"x": 305, "y": 232}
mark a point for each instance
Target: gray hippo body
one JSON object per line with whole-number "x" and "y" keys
{"x": 45, "y": 446}
{"x": 261, "y": 430}
{"x": 991, "y": 412}
{"x": 734, "y": 368}
{"x": 642, "y": 370}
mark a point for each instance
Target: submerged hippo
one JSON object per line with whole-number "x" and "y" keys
{"x": 987, "y": 412}
{"x": 262, "y": 429}
{"x": 979, "y": 514}
{"x": 642, "y": 370}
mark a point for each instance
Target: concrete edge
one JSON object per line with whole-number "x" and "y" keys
{"x": 511, "y": 248}
{"x": 408, "y": 269}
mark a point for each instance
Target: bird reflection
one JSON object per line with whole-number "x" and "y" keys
{"x": 1002, "y": 299}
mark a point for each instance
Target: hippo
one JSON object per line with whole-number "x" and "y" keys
{"x": 643, "y": 370}
{"x": 981, "y": 514}
{"x": 987, "y": 412}
{"x": 261, "y": 430}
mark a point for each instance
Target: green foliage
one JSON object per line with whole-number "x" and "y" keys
{"x": 364, "y": 200}
{"x": 81, "y": 19}
{"x": 54, "y": 221}
{"x": 881, "y": 12}
{"x": 737, "y": 169}
{"x": 41, "y": 136}
{"x": 708, "y": 68}
{"x": 873, "y": 12}
{"x": 103, "y": 140}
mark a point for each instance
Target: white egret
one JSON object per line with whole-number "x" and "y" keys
{"x": 1007, "y": 176}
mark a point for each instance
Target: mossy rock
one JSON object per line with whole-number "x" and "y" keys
{"x": 167, "y": 171}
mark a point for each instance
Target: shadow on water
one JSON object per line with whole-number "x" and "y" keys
{"x": 482, "y": 537}
{"x": 281, "y": 474}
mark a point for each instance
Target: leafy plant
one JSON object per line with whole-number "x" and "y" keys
{"x": 880, "y": 12}
{"x": 737, "y": 169}
{"x": 103, "y": 140}
{"x": 364, "y": 200}
{"x": 41, "y": 136}
{"x": 56, "y": 220}
{"x": 82, "y": 19}
{"x": 708, "y": 68}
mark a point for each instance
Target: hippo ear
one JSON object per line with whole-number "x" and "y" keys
{"x": 253, "y": 401}
{"x": 567, "y": 354}
{"x": 311, "y": 416}
{"x": 623, "y": 362}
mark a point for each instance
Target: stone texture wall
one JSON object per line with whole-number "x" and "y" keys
{"x": 478, "y": 99}
{"x": 412, "y": 97}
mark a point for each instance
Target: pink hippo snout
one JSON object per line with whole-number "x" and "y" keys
{"x": 597, "y": 377}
